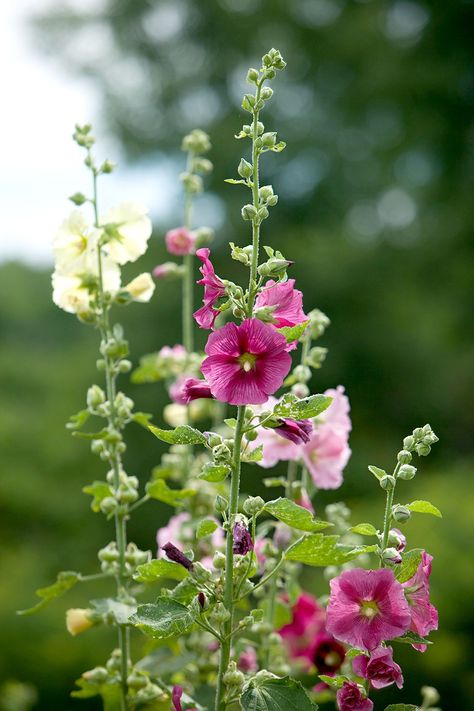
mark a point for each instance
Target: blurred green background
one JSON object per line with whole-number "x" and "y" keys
{"x": 376, "y": 210}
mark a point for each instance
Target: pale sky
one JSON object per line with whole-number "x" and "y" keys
{"x": 40, "y": 165}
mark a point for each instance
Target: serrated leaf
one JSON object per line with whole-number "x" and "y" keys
{"x": 254, "y": 455}
{"x": 206, "y": 527}
{"x": 295, "y": 516}
{"x": 164, "y": 618}
{"x": 276, "y": 694}
{"x": 427, "y": 507}
{"x": 321, "y": 550}
{"x": 304, "y": 409}
{"x": 338, "y": 681}
{"x": 411, "y": 638}
{"x": 402, "y": 707}
{"x": 159, "y": 490}
{"x": 293, "y": 333}
{"x": 364, "y": 529}
{"x": 65, "y": 581}
{"x": 410, "y": 562}
{"x": 213, "y": 472}
{"x": 157, "y": 569}
{"x": 113, "y": 610}
{"x": 377, "y": 472}
{"x": 180, "y": 435}
{"x": 99, "y": 490}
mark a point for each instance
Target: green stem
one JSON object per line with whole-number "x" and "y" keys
{"x": 387, "y": 519}
{"x": 290, "y": 478}
{"x": 255, "y": 198}
{"x": 229, "y": 564}
{"x": 188, "y": 285}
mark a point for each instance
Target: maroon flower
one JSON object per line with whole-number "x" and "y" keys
{"x": 328, "y": 654}
{"x": 214, "y": 289}
{"x": 379, "y": 668}
{"x": 297, "y": 431}
{"x": 242, "y": 540}
{"x": 177, "y": 556}
{"x": 349, "y": 698}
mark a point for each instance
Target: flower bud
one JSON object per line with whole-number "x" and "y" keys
{"x": 397, "y": 540}
{"x": 108, "y": 166}
{"x": 98, "y": 675}
{"x": 404, "y": 456}
{"x": 137, "y": 680}
{"x": 233, "y": 677}
{"x": 302, "y": 373}
{"x": 95, "y": 397}
{"x": 220, "y": 614}
{"x": 409, "y": 442}
{"x": 177, "y": 556}
{"x": 301, "y": 390}
{"x": 406, "y": 472}
{"x": 253, "y": 505}
{"x": 245, "y": 168}
{"x": 78, "y": 620}
{"x": 252, "y": 76}
{"x": 269, "y": 139}
{"x": 266, "y": 93}
{"x": 196, "y": 142}
{"x": 265, "y": 192}
{"x": 387, "y": 482}
{"x": 430, "y": 695}
{"x": 392, "y": 556}
{"x": 221, "y": 504}
{"x": 422, "y": 449}
{"x": 401, "y": 513}
{"x": 78, "y": 199}
{"x": 108, "y": 505}
{"x": 248, "y": 212}
{"x": 218, "y": 560}
{"x": 150, "y": 692}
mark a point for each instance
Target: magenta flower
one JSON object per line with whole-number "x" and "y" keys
{"x": 287, "y": 300}
{"x": 424, "y": 615}
{"x": 176, "y": 695}
{"x": 327, "y": 452}
{"x": 367, "y": 607}
{"x": 379, "y": 668}
{"x": 180, "y": 241}
{"x": 242, "y": 540}
{"x": 308, "y": 621}
{"x": 214, "y": 289}
{"x": 245, "y": 363}
{"x": 195, "y": 389}
{"x": 297, "y": 431}
{"x": 350, "y": 698}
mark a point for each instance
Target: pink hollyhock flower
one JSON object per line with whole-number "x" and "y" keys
{"x": 247, "y": 661}
{"x": 176, "y": 390}
{"x": 287, "y": 300}
{"x": 379, "y": 668}
{"x": 161, "y": 271}
{"x": 367, "y": 607}
{"x": 424, "y": 615}
{"x": 349, "y": 698}
{"x": 180, "y": 241}
{"x": 297, "y": 431}
{"x": 327, "y": 654}
{"x": 258, "y": 547}
{"x": 305, "y": 501}
{"x": 327, "y": 452}
{"x": 245, "y": 363}
{"x": 214, "y": 289}
{"x": 194, "y": 389}
{"x": 308, "y": 619}
{"x": 176, "y": 695}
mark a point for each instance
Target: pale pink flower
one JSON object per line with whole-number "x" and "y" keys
{"x": 247, "y": 661}
{"x": 214, "y": 289}
{"x": 245, "y": 363}
{"x": 350, "y": 698}
{"x": 287, "y": 300}
{"x": 180, "y": 241}
{"x": 379, "y": 668}
{"x": 367, "y": 607}
{"x": 424, "y": 615}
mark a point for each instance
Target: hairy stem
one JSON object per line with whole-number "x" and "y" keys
{"x": 188, "y": 339}
{"x": 387, "y": 519}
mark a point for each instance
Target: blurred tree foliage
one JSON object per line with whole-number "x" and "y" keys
{"x": 375, "y": 187}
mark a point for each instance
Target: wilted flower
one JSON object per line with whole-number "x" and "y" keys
{"x": 128, "y": 228}
{"x": 350, "y": 698}
{"x": 242, "y": 540}
{"x": 194, "y": 389}
{"x": 297, "y": 431}
{"x": 367, "y": 607}
{"x": 214, "y": 289}
{"x": 177, "y": 556}
{"x": 424, "y": 615}
{"x": 379, "y": 668}
{"x": 287, "y": 300}
{"x": 180, "y": 241}
{"x": 141, "y": 288}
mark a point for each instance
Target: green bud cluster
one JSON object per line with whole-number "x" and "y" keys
{"x": 195, "y": 144}
{"x": 420, "y": 441}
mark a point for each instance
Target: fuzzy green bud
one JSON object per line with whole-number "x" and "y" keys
{"x": 401, "y": 513}
{"x": 196, "y": 142}
{"x": 404, "y": 456}
{"x": 221, "y": 504}
{"x": 218, "y": 561}
{"x": 249, "y": 212}
{"x": 78, "y": 199}
{"x": 253, "y": 505}
{"x": 95, "y": 397}
{"x": 108, "y": 166}
{"x": 422, "y": 449}
{"x": 387, "y": 482}
{"x": 252, "y": 76}
{"x": 409, "y": 443}
{"x": 406, "y": 472}
{"x": 245, "y": 168}
{"x": 266, "y": 93}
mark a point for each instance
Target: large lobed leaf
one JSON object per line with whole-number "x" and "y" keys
{"x": 304, "y": 409}
{"x": 276, "y": 694}
{"x": 164, "y": 618}
{"x": 320, "y": 550}
{"x": 295, "y": 516}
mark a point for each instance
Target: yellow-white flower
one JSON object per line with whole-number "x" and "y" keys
{"x": 175, "y": 415}
{"x": 73, "y": 292}
{"x": 73, "y": 244}
{"x": 141, "y": 288}
{"x": 78, "y": 620}
{"x": 131, "y": 230}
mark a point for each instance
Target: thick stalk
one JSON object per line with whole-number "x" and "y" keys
{"x": 229, "y": 565}
{"x": 115, "y": 461}
{"x": 256, "y": 221}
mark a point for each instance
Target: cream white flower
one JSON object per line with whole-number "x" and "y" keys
{"x": 141, "y": 288}
{"x": 74, "y": 242}
{"x": 175, "y": 415}
{"x": 73, "y": 292}
{"x": 78, "y": 620}
{"x": 132, "y": 232}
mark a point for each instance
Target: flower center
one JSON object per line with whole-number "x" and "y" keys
{"x": 369, "y": 609}
{"x": 247, "y": 361}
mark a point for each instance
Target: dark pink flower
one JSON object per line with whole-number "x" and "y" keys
{"x": 349, "y": 698}
{"x": 194, "y": 389}
{"x": 308, "y": 618}
{"x": 297, "y": 431}
{"x": 242, "y": 540}
{"x": 245, "y": 363}
{"x": 247, "y": 661}
{"x": 424, "y": 615}
{"x": 367, "y": 607}
{"x": 379, "y": 668}
{"x": 176, "y": 390}
{"x": 214, "y": 289}
{"x": 327, "y": 654}
{"x": 287, "y": 300}
{"x": 162, "y": 271}
{"x": 176, "y": 695}
{"x": 180, "y": 241}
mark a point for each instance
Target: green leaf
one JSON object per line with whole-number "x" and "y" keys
{"x": 110, "y": 693}
{"x": 101, "y": 434}
{"x": 99, "y": 490}
{"x": 411, "y": 638}
{"x": 295, "y": 516}
{"x": 64, "y": 582}
{"x": 304, "y": 409}
{"x": 180, "y": 435}
{"x": 402, "y": 707}
{"x": 213, "y": 472}
{"x": 231, "y": 422}
{"x": 377, "y": 472}
{"x": 336, "y": 682}
{"x": 254, "y": 455}
{"x": 276, "y": 694}
{"x": 410, "y": 562}
{"x": 364, "y": 529}
{"x": 232, "y": 181}
{"x": 293, "y": 333}
{"x": 142, "y": 418}
{"x": 321, "y": 550}
{"x": 164, "y": 618}
{"x": 206, "y": 527}
{"x": 161, "y": 568}
{"x": 270, "y": 482}
{"x": 424, "y": 507}
{"x": 159, "y": 490}
{"x": 114, "y": 611}
{"x": 78, "y": 420}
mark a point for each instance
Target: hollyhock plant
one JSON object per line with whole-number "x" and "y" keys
{"x": 351, "y": 698}
{"x": 180, "y": 241}
{"x": 214, "y": 289}
{"x": 245, "y": 364}
{"x": 379, "y": 668}
{"x": 424, "y": 615}
{"x": 367, "y": 607}
{"x": 128, "y": 228}
{"x": 286, "y": 300}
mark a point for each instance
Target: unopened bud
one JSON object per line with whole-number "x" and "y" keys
{"x": 253, "y": 505}
{"x": 392, "y": 556}
{"x": 387, "y": 482}
{"x": 404, "y": 456}
{"x": 221, "y": 504}
{"x": 252, "y": 76}
{"x": 401, "y": 513}
{"x": 406, "y": 472}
